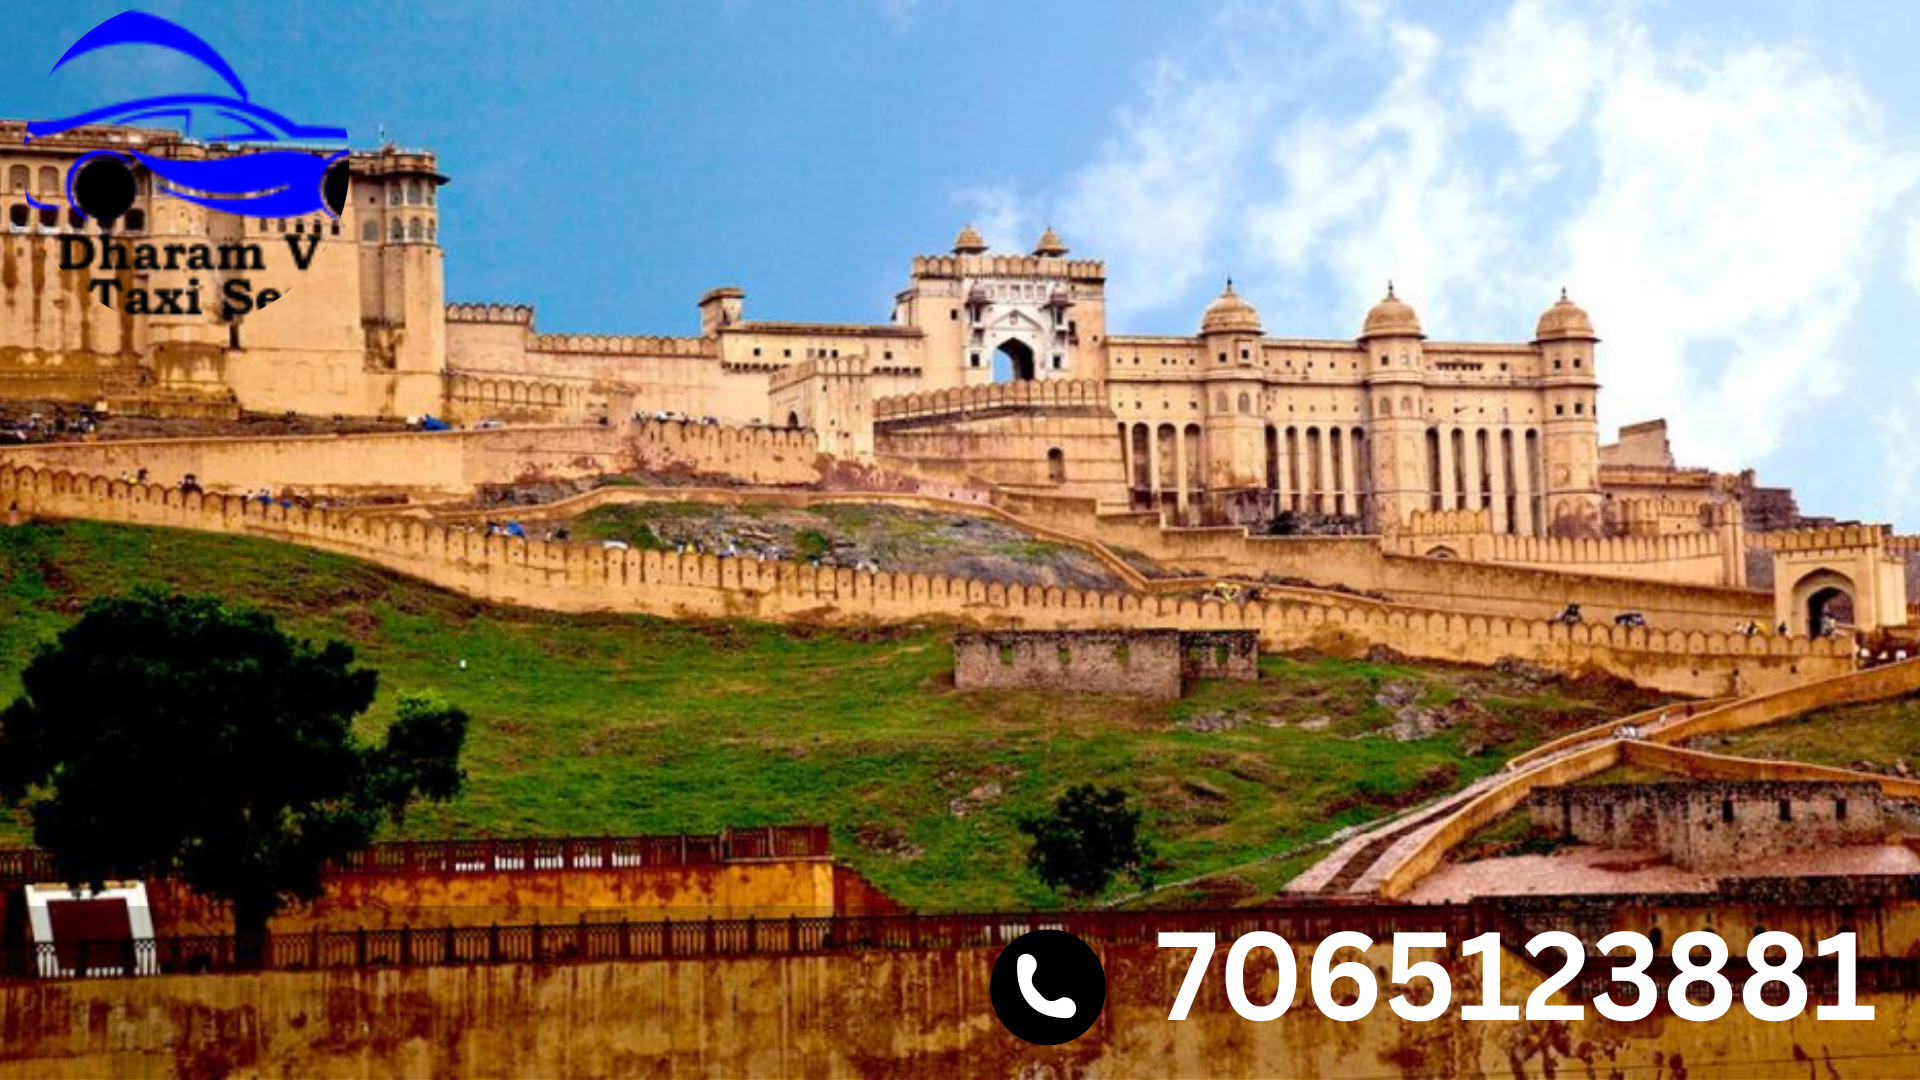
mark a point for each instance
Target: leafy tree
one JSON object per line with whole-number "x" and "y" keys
{"x": 172, "y": 735}
{"x": 1090, "y": 838}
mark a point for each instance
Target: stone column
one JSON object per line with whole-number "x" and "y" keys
{"x": 1349, "y": 468}
{"x": 1497, "y": 478}
{"x": 1449, "y": 495}
{"x": 1470, "y": 446}
{"x": 1327, "y": 485}
{"x": 1180, "y": 470}
{"x": 1280, "y": 485}
{"x": 1523, "y": 485}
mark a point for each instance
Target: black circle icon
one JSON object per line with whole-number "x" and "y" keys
{"x": 1048, "y": 987}
{"x": 104, "y": 189}
{"x": 334, "y": 187}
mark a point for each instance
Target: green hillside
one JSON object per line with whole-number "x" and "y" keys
{"x": 618, "y": 724}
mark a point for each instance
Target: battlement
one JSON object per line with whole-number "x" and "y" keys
{"x": 1447, "y": 523}
{"x": 953, "y": 266}
{"x": 997, "y": 397}
{"x": 1828, "y": 538}
{"x": 843, "y": 367}
{"x": 491, "y": 313}
{"x": 1905, "y": 545}
{"x": 583, "y": 577}
{"x": 623, "y": 345}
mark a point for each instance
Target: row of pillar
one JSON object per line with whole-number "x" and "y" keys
{"x": 1486, "y": 469}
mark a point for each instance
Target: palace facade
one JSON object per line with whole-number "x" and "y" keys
{"x": 997, "y": 366}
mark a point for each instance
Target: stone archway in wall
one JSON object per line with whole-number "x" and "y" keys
{"x": 1013, "y": 361}
{"x": 1821, "y": 594}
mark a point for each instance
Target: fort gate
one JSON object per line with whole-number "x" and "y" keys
{"x": 1845, "y": 572}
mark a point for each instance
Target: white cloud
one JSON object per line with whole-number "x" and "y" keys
{"x": 1157, "y": 199}
{"x": 1716, "y": 204}
{"x": 1003, "y": 218}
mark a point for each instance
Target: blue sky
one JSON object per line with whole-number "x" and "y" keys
{"x": 1733, "y": 190}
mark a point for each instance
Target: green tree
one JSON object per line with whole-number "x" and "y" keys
{"x": 1091, "y": 837}
{"x": 172, "y": 735}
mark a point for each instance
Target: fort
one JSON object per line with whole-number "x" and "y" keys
{"x": 1386, "y": 496}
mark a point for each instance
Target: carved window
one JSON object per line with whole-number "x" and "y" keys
{"x": 49, "y": 180}
{"x": 398, "y": 230}
{"x": 370, "y": 231}
{"x": 17, "y": 178}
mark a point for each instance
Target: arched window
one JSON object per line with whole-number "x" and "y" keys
{"x": 280, "y": 224}
{"x": 370, "y": 231}
{"x": 429, "y": 194}
{"x": 415, "y": 230}
{"x": 136, "y": 221}
{"x": 17, "y": 215}
{"x": 50, "y": 218}
{"x": 49, "y": 180}
{"x": 413, "y": 193}
{"x": 398, "y": 231}
{"x": 300, "y": 226}
{"x": 17, "y": 179}
{"x": 433, "y": 231}
{"x": 1246, "y": 404}
{"x": 394, "y": 195}
{"x": 1057, "y": 465}
{"x": 75, "y": 221}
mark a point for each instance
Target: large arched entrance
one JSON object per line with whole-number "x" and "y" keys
{"x": 1825, "y": 600}
{"x": 1013, "y": 361}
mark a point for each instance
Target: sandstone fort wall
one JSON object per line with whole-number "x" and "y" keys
{"x": 579, "y": 577}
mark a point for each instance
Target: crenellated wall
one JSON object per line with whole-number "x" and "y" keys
{"x": 581, "y": 577}
{"x": 439, "y": 462}
{"x": 962, "y": 401}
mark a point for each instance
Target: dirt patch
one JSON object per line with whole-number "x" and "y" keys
{"x": 859, "y": 536}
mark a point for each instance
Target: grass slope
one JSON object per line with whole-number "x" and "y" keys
{"x": 1878, "y": 733}
{"x": 617, "y": 724}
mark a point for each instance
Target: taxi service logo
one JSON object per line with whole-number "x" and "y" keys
{"x": 267, "y": 167}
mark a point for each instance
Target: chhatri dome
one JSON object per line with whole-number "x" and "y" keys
{"x": 969, "y": 242}
{"x": 1050, "y": 245}
{"x": 1391, "y": 317}
{"x": 1564, "y": 321}
{"x": 1230, "y": 314}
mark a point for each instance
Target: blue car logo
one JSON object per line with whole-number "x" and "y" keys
{"x": 258, "y": 183}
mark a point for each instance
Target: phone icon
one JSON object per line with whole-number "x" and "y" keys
{"x": 1073, "y": 972}
{"x": 1058, "y": 1008}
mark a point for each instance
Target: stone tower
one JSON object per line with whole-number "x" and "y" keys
{"x": 1572, "y": 430}
{"x": 1395, "y": 368}
{"x": 1232, "y": 392}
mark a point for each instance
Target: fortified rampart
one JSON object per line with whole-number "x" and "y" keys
{"x": 427, "y": 463}
{"x": 1699, "y": 557}
{"x": 579, "y": 577}
{"x": 972, "y": 401}
{"x": 442, "y": 463}
{"x": 1358, "y": 563}
{"x": 1714, "y": 824}
{"x": 910, "y": 997}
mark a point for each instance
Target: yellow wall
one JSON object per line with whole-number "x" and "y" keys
{"x": 888, "y": 1013}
